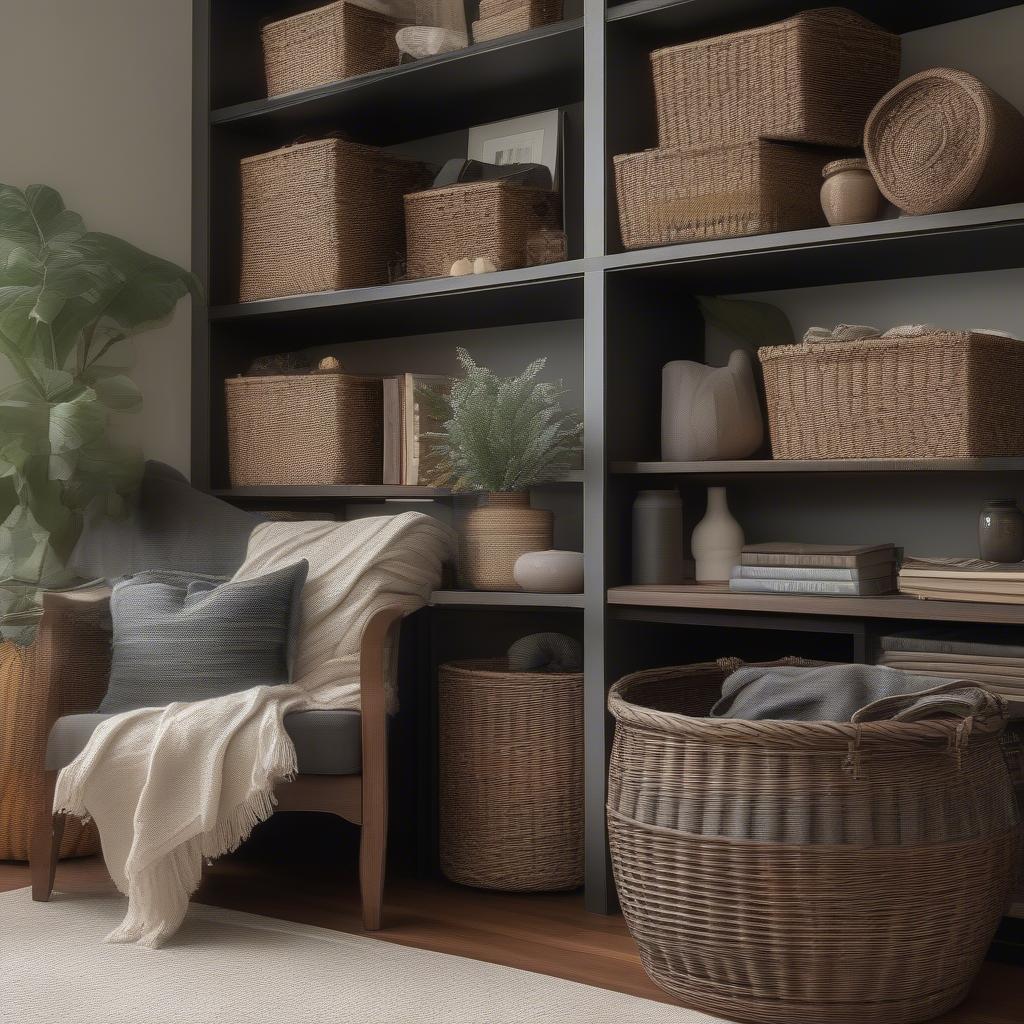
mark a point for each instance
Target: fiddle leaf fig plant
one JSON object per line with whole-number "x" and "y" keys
{"x": 67, "y": 297}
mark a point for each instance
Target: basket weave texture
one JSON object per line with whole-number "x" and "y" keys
{"x": 943, "y": 395}
{"x": 804, "y": 872}
{"x": 316, "y": 429}
{"x": 811, "y": 78}
{"x": 493, "y": 219}
{"x": 506, "y": 17}
{"x": 746, "y": 188}
{"x": 511, "y": 776}
{"x": 326, "y": 45}
{"x": 942, "y": 140}
{"x": 495, "y": 534}
{"x": 321, "y": 216}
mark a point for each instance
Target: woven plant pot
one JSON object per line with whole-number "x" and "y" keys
{"x": 24, "y": 727}
{"x": 943, "y": 395}
{"x": 942, "y": 140}
{"x": 856, "y": 874}
{"x": 811, "y": 78}
{"x": 317, "y": 428}
{"x": 322, "y": 216}
{"x": 495, "y": 534}
{"x": 492, "y": 219}
{"x": 506, "y": 17}
{"x": 511, "y": 776}
{"x": 326, "y": 44}
{"x": 686, "y": 195}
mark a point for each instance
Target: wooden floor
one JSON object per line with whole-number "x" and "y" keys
{"x": 550, "y": 934}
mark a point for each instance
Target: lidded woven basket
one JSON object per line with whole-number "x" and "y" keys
{"x": 806, "y": 872}
{"x": 943, "y": 140}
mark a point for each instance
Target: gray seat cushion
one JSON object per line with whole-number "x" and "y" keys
{"x": 326, "y": 742}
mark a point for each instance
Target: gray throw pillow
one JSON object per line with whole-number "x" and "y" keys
{"x": 183, "y": 637}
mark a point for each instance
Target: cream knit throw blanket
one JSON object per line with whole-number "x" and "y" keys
{"x": 170, "y": 787}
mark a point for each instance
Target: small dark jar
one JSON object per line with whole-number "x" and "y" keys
{"x": 1001, "y": 531}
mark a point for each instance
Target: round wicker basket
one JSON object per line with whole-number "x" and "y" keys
{"x": 511, "y": 776}
{"x": 942, "y": 140}
{"x": 806, "y": 871}
{"x": 495, "y": 534}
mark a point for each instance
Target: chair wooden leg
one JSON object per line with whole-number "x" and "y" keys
{"x": 47, "y": 831}
{"x": 373, "y": 844}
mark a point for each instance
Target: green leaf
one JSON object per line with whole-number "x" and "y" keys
{"x": 118, "y": 392}
{"x": 77, "y": 423}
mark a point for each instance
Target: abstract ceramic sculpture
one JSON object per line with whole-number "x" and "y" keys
{"x": 710, "y": 412}
{"x": 549, "y": 572}
{"x": 849, "y": 194}
{"x": 717, "y": 540}
{"x": 658, "y": 554}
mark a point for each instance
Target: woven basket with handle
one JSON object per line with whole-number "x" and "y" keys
{"x": 811, "y": 78}
{"x": 804, "y": 872}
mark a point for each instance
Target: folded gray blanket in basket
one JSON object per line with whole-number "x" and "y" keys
{"x": 845, "y": 693}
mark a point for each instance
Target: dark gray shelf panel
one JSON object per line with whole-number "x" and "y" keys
{"x": 991, "y": 238}
{"x": 530, "y": 295}
{"x": 484, "y": 82}
{"x": 502, "y": 599}
{"x": 696, "y": 18}
{"x": 828, "y": 467}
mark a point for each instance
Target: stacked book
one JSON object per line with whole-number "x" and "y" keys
{"x": 406, "y": 422}
{"x": 829, "y": 570}
{"x": 963, "y": 579}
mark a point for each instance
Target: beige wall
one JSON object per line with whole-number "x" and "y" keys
{"x": 95, "y": 100}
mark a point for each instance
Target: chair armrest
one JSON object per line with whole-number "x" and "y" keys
{"x": 380, "y": 631}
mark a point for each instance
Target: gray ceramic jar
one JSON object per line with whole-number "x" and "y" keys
{"x": 1001, "y": 531}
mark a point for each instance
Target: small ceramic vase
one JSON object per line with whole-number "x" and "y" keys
{"x": 550, "y": 572}
{"x": 849, "y": 194}
{"x": 495, "y": 534}
{"x": 717, "y": 540}
{"x": 658, "y": 553}
{"x": 1001, "y": 531}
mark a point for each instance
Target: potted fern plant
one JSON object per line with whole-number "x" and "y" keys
{"x": 500, "y": 437}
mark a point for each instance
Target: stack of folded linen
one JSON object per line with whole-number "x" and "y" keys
{"x": 963, "y": 579}
{"x": 831, "y": 570}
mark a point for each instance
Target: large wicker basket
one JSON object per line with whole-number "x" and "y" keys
{"x": 942, "y": 395}
{"x": 493, "y": 219}
{"x": 748, "y": 188}
{"x": 325, "y": 45}
{"x": 511, "y": 776}
{"x": 319, "y": 428}
{"x": 321, "y": 216}
{"x": 506, "y": 17}
{"x": 806, "y": 872}
{"x": 811, "y": 78}
{"x": 942, "y": 140}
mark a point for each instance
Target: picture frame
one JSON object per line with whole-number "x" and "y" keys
{"x": 533, "y": 138}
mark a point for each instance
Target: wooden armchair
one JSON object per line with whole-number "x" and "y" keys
{"x": 74, "y": 655}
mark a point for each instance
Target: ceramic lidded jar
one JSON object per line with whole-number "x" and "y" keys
{"x": 849, "y": 194}
{"x": 1001, "y": 531}
{"x": 550, "y": 572}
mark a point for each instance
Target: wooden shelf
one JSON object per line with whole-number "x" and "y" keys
{"x": 829, "y": 467}
{"x": 484, "y": 82}
{"x": 503, "y": 599}
{"x": 716, "y": 596}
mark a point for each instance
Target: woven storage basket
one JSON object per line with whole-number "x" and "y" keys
{"x": 494, "y": 219}
{"x": 506, "y": 17}
{"x": 321, "y": 216}
{"x": 511, "y": 776}
{"x": 806, "y": 872}
{"x": 326, "y": 45}
{"x": 318, "y": 428}
{"x": 942, "y": 140}
{"x": 749, "y": 188}
{"x": 812, "y": 78}
{"x": 943, "y": 395}
{"x": 495, "y": 533}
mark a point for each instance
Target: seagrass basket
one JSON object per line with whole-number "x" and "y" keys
{"x": 806, "y": 872}
{"x": 318, "y": 428}
{"x": 811, "y": 78}
{"x": 942, "y": 395}
{"x": 511, "y": 776}
{"x": 747, "y": 188}
{"x": 492, "y": 219}
{"x": 322, "y": 215}
{"x": 506, "y": 17}
{"x": 942, "y": 140}
{"x": 326, "y": 44}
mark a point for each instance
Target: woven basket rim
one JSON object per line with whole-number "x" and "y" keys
{"x": 467, "y": 186}
{"x": 498, "y": 667}
{"x": 263, "y": 378}
{"x": 850, "y": 163}
{"x": 332, "y": 141}
{"x": 724, "y": 147}
{"x": 834, "y": 349}
{"x": 317, "y": 11}
{"x": 815, "y": 14}
{"x": 810, "y": 735}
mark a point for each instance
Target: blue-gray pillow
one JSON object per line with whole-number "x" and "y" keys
{"x": 184, "y": 637}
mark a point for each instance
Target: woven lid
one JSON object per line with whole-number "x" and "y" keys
{"x": 856, "y": 163}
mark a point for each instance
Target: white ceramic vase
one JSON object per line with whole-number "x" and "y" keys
{"x": 658, "y": 554}
{"x": 550, "y": 572}
{"x": 717, "y": 540}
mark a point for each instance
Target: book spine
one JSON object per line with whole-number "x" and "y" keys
{"x": 830, "y": 587}
{"x": 803, "y": 561}
{"x": 781, "y": 572}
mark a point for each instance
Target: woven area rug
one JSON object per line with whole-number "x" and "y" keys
{"x": 224, "y": 967}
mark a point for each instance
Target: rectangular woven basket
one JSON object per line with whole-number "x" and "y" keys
{"x": 811, "y": 78}
{"x": 321, "y": 216}
{"x": 748, "y": 188}
{"x": 492, "y": 219}
{"x": 506, "y": 17}
{"x": 327, "y": 44}
{"x": 318, "y": 428}
{"x": 942, "y": 395}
